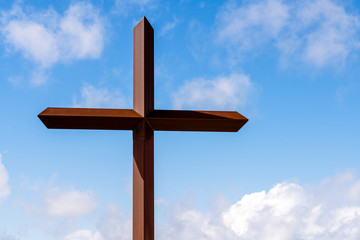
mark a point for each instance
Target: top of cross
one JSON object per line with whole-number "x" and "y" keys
{"x": 143, "y": 102}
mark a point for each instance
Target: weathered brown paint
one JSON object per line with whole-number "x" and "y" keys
{"x": 143, "y": 134}
{"x": 127, "y": 119}
{"x": 143, "y": 68}
{"x": 209, "y": 121}
{"x": 143, "y": 182}
{"x": 142, "y": 120}
{"x": 90, "y": 118}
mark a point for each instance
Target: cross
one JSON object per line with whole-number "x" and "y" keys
{"x": 143, "y": 119}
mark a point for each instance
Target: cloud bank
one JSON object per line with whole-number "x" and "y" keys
{"x": 329, "y": 210}
{"x": 319, "y": 32}
{"x": 286, "y": 211}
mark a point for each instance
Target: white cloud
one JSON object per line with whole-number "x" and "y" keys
{"x": 4, "y": 178}
{"x": 329, "y": 210}
{"x": 335, "y": 33}
{"x": 262, "y": 214}
{"x": 47, "y": 38}
{"x": 252, "y": 24}
{"x": 317, "y": 32}
{"x": 113, "y": 225}
{"x": 71, "y": 203}
{"x": 221, "y": 92}
{"x": 287, "y": 211}
{"x": 84, "y": 235}
{"x": 184, "y": 222}
{"x": 99, "y": 97}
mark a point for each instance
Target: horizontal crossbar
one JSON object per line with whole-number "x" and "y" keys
{"x": 127, "y": 119}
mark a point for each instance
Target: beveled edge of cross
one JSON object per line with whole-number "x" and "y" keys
{"x": 143, "y": 102}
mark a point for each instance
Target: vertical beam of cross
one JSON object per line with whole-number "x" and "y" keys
{"x": 143, "y": 134}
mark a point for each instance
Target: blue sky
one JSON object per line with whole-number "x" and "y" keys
{"x": 291, "y": 67}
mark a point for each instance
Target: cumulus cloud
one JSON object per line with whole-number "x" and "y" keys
{"x": 286, "y": 211}
{"x": 47, "y": 38}
{"x": 329, "y": 210}
{"x": 99, "y": 97}
{"x": 186, "y": 222}
{"x": 231, "y": 91}
{"x": 84, "y": 235}
{"x": 71, "y": 203}
{"x": 4, "y": 180}
{"x": 317, "y": 32}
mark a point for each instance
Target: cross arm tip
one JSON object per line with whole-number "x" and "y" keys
{"x": 90, "y": 118}
{"x": 208, "y": 121}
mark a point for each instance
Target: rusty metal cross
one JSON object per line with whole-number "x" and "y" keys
{"x": 143, "y": 119}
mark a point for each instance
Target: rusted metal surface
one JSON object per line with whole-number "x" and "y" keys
{"x": 142, "y": 120}
{"x": 143, "y": 67}
{"x": 143, "y": 182}
{"x": 143, "y": 134}
{"x": 214, "y": 121}
{"x": 90, "y": 118}
{"x": 127, "y": 119}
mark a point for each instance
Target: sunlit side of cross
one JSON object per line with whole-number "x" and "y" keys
{"x": 142, "y": 120}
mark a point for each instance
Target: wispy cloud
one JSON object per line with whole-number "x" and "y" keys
{"x": 250, "y": 25}
{"x": 317, "y": 32}
{"x": 84, "y": 234}
{"x": 99, "y": 97}
{"x": 46, "y": 37}
{"x": 112, "y": 225}
{"x": 168, "y": 27}
{"x": 4, "y": 180}
{"x": 231, "y": 91}
{"x": 123, "y": 7}
{"x": 72, "y": 203}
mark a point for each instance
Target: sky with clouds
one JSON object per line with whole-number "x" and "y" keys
{"x": 291, "y": 67}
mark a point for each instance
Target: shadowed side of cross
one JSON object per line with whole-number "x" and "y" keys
{"x": 142, "y": 120}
